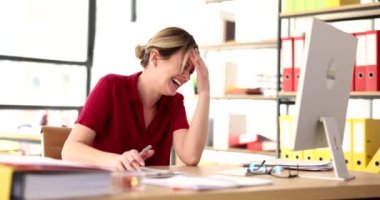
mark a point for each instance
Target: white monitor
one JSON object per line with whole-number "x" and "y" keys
{"x": 324, "y": 91}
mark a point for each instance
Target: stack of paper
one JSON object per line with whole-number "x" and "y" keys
{"x": 44, "y": 178}
{"x": 211, "y": 182}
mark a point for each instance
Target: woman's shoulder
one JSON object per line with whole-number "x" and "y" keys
{"x": 111, "y": 77}
{"x": 117, "y": 78}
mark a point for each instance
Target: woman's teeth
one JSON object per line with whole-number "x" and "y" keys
{"x": 177, "y": 83}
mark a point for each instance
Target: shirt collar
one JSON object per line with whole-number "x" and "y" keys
{"x": 132, "y": 82}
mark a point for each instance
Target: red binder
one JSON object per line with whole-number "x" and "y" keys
{"x": 299, "y": 43}
{"x": 287, "y": 79}
{"x": 372, "y": 57}
{"x": 360, "y": 81}
{"x": 353, "y": 76}
{"x": 287, "y": 60}
{"x": 353, "y": 81}
{"x": 361, "y": 62}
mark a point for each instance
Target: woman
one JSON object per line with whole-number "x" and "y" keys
{"x": 124, "y": 114}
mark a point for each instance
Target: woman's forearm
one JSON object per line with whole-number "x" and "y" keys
{"x": 194, "y": 141}
{"x": 82, "y": 153}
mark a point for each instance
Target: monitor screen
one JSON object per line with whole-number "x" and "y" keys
{"x": 323, "y": 92}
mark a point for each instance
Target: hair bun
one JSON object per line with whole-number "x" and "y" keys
{"x": 139, "y": 51}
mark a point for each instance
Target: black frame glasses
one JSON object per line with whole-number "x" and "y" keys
{"x": 275, "y": 170}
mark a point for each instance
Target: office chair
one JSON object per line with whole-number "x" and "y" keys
{"x": 53, "y": 139}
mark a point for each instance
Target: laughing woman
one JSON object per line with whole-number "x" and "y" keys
{"x": 124, "y": 114}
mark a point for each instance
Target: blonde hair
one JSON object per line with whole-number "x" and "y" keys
{"x": 167, "y": 42}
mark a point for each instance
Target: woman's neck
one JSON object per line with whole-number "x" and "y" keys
{"x": 148, "y": 94}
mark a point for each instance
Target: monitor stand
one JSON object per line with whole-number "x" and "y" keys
{"x": 335, "y": 145}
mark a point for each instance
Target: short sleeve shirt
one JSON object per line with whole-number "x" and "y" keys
{"x": 114, "y": 111}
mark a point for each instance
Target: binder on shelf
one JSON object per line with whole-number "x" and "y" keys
{"x": 287, "y": 57}
{"x": 288, "y": 6}
{"x": 299, "y": 43}
{"x": 285, "y": 128}
{"x": 296, "y": 155}
{"x": 309, "y": 154}
{"x": 374, "y": 164}
{"x": 337, "y": 3}
{"x": 361, "y": 62}
{"x": 353, "y": 80}
{"x": 310, "y": 5}
{"x": 372, "y": 57}
{"x": 323, "y": 154}
{"x": 320, "y": 4}
{"x": 286, "y": 134}
{"x": 299, "y": 5}
{"x": 347, "y": 144}
{"x": 366, "y": 141}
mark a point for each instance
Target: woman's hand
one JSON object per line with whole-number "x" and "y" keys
{"x": 131, "y": 160}
{"x": 203, "y": 82}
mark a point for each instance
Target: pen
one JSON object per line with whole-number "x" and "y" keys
{"x": 146, "y": 149}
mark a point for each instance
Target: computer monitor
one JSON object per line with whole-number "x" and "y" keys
{"x": 324, "y": 91}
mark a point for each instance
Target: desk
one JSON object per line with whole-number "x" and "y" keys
{"x": 366, "y": 185}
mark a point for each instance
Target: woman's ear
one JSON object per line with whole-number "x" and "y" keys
{"x": 154, "y": 56}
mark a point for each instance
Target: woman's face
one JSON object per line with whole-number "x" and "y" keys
{"x": 173, "y": 74}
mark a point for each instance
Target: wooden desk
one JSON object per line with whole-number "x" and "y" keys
{"x": 365, "y": 185}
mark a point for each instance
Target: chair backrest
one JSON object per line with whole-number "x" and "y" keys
{"x": 53, "y": 139}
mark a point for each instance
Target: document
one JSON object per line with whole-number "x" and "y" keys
{"x": 210, "y": 182}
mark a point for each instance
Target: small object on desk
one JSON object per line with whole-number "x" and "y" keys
{"x": 157, "y": 173}
{"x": 127, "y": 180}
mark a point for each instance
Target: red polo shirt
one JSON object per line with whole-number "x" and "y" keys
{"x": 114, "y": 111}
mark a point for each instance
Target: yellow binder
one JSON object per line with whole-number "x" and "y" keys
{"x": 374, "y": 164}
{"x": 288, "y": 6}
{"x": 336, "y": 3}
{"x": 366, "y": 141}
{"x": 286, "y": 137}
{"x": 309, "y": 154}
{"x": 6, "y": 174}
{"x": 310, "y": 4}
{"x": 323, "y": 154}
{"x": 299, "y": 5}
{"x": 347, "y": 144}
{"x": 285, "y": 128}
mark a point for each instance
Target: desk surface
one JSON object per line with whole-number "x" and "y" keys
{"x": 365, "y": 185}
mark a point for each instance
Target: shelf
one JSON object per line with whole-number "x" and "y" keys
{"x": 364, "y": 95}
{"x": 21, "y": 137}
{"x": 216, "y": 1}
{"x": 39, "y": 107}
{"x": 237, "y": 150}
{"x": 245, "y": 96}
{"x": 348, "y": 12}
{"x": 241, "y": 45}
{"x": 369, "y": 95}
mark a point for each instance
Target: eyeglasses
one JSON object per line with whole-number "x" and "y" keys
{"x": 276, "y": 171}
